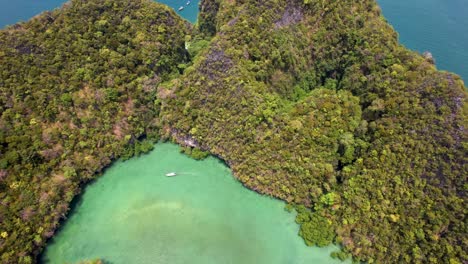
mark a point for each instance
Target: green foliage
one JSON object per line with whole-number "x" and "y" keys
{"x": 207, "y": 17}
{"x": 196, "y": 46}
{"x": 77, "y": 90}
{"x": 315, "y": 102}
{"x": 315, "y": 229}
{"x": 341, "y": 255}
{"x": 195, "y": 153}
{"x": 329, "y": 199}
{"x": 199, "y": 154}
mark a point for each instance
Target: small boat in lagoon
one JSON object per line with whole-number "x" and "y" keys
{"x": 181, "y": 8}
{"x": 188, "y": 2}
{"x": 171, "y": 174}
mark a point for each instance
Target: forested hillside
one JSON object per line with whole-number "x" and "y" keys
{"x": 310, "y": 101}
{"x": 77, "y": 90}
{"x": 316, "y": 103}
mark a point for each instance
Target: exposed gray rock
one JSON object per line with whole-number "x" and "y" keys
{"x": 292, "y": 15}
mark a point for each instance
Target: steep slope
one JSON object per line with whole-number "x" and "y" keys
{"x": 313, "y": 102}
{"x": 316, "y": 103}
{"x": 77, "y": 90}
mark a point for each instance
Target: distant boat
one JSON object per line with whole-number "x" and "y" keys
{"x": 188, "y": 2}
{"x": 171, "y": 174}
{"x": 181, "y": 8}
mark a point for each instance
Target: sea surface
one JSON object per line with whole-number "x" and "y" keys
{"x": 437, "y": 26}
{"x": 13, "y": 11}
{"x": 136, "y": 214}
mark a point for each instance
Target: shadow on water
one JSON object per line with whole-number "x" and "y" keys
{"x": 75, "y": 203}
{"x": 78, "y": 201}
{"x": 73, "y": 207}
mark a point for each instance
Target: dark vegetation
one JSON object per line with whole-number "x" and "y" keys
{"x": 316, "y": 103}
{"x": 313, "y": 102}
{"x": 77, "y": 90}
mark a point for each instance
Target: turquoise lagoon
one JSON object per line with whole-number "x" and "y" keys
{"x": 134, "y": 213}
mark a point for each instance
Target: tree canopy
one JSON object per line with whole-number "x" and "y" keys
{"x": 314, "y": 102}
{"x": 77, "y": 90}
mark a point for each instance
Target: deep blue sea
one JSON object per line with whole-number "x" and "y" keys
{"x": 438, "y": 26}
{"x": 12, "y": 11}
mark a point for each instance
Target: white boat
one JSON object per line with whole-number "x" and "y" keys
{"x": 188, "y": 2}
{"x": 171, "y": 174}
{"x": 181, "y": 8}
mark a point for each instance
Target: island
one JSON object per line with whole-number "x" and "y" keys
{"x": 313, "y": 102}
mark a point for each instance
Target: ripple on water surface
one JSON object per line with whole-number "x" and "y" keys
{"x": 135, "y": 214}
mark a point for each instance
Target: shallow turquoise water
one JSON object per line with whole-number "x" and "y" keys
{"x": 135, "y": 214}
{"x": 13, "y": 11}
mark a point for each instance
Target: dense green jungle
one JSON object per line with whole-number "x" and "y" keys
{"x": 314, "y": 102}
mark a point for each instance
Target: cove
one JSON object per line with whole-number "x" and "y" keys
{"x": 136, "y": 214}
